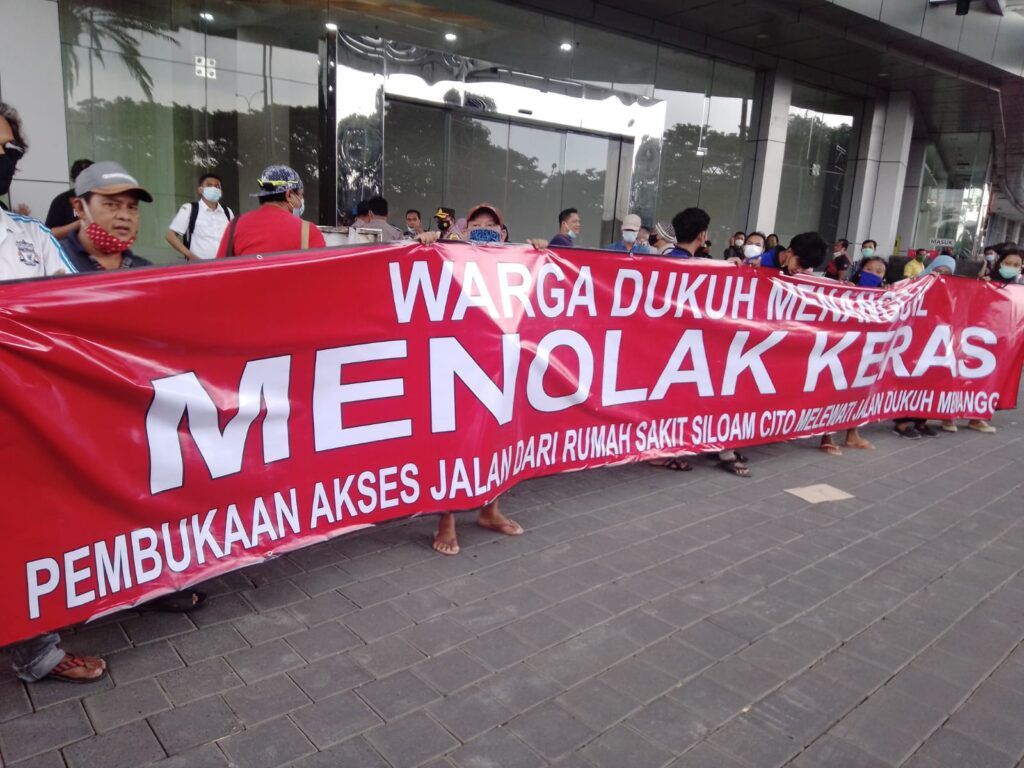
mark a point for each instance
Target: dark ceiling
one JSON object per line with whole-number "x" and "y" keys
{"x": 965, "y": 71}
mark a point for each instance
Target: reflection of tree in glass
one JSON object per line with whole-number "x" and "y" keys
{"x": 103, "y": 28}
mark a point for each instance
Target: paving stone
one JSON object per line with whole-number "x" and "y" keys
{"x": 620, "y": 747}
{"x": 386, "y": 656}
{"x": 377, "y": 621}
{"x": 753, "y": 744}
{"x": 541, "y": 630}
{"x": 596, "y": 705}
{"x": 14, "y": 700}
{"x": 322, "y": 641}
{"x": 577, "y": 612}
{"x": 372, "y": 591}
{"x": 675, "y": 658}
{"x": 410, "y": 741}
{"x": 950, "y": 748}
{"x": 220, "y": 609}
{"x": 203, "y": 679}
{"x": 670, "y": 724}
{"x": 328, "y": 606}
{"x": 521, "y": 687}
{"x": 355, "y": 752}
{"x": 150, "y": 627}
{"x": 49, "y": 760}
{"x": 776, "y": 657}
{"x": 470, "y": 713}
{"x": 498, "y": 748}
{"x": 262, "y": 661}
{"x": 451, "y": 671}
{"x": 853, "y": 671}
{"x": 265, "y": 700}
{"x": 999, "y": 730}
{"x": 46, "y": 693}
{"x": 498, "y": 648}
{"x": 397, "y": 694}
{"x": 207, "y": 643}
{"x": 436, "y": 636}
{"x": 125, "y": 703}
{"x": 321, "y": 580}
{"x": 743, "y": 678}
{"x": 640, "y": 628}
{"x": 329, "y": 676}
{"x": 711, "y": 640}
{"x": 714, "y": 702}
{"x": 639, "y": 680}
{"x": 194, "y": 724}
{"x": 206, "y": 756}
{"x": 100, "y": 640}
{"x": 259, "y": 628}
{"x": 124, "y": 747}
{"x": 269, "y": 745}
{"x": 276, "y": 594}
{"x": 42, "y": 731}
{"x": 832, "y": 751}
{"x": 550, "y": 730}
{"x": 704, "y": 755}
{"x": 335, "y": 719}
{"x": 139, "y": 663}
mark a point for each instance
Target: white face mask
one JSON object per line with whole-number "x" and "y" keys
{"x": 628, "y": 236}
{"x": 739, "y": 242}
{"x": 751, "y": 250}
{"x": 212, "y": 194}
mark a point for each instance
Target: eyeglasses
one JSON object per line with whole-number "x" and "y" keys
{"x": 14, "y": 151}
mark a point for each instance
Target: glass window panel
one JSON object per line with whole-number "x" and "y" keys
{"x": 614, "y": 61}
{"x": 477, "y": 163}
{"x": 534, "y": 181}
{"x": 414, "y": 138}
{"x": 584, "y": 186}
{"x": 151, "y": 29}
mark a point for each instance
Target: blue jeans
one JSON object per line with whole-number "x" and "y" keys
{"x": 34, "y": 659}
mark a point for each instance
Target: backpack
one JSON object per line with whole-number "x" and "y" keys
{"x": 186, "y": 238}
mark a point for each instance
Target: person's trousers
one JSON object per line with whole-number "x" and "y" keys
{"x": 34, "y": 659}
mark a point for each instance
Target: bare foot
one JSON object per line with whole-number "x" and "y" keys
{"x": 492, "y": 519}
{"x": 831, "y": 449}
{"x": 859, "y": 442}
{"x": 445, "y": 541}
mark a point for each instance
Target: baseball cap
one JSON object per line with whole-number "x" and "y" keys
{"x": 276, "y": 179}
{"x": 108, "y": 178}
{"x": 494, "y": 211}
{"x": 632, "y": 221}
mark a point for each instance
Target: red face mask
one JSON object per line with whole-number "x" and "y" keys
{"x": 106, "y": 242}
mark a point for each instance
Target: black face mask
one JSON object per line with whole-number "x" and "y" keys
{"x": 7, "y": 166}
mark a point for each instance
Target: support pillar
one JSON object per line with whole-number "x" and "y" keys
{"x": 772, "y": 121}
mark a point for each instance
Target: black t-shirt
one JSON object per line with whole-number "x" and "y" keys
{"x": 61, "y": 213}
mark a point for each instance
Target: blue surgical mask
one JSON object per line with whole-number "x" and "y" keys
{"x": 628, "y": 236}
{"x": 212, "y": 194}
{"x": 572, "y": 234}
{"x": 1009, "y": 273}
{"x": 300, "y": 210}
{"x": 869, "y": 280}
{"x": 484, "y": 236}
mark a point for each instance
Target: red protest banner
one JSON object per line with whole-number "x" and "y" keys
{"x": 161, "y": 427}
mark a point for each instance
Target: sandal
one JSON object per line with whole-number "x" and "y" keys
{"x": 176, "y": 602}
{"x": 674, "y": 464}
{"x": 71, "y": 663}
{"x": 831, "y": 449}
{"x": 735, "y": 467}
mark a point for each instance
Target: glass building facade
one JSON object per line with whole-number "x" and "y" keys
{"x": 453, "y": 103}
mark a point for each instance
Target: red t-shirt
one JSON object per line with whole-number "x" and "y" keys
{"x": 268, "y": 229}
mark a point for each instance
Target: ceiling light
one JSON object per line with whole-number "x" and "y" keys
{"x": 566, "y": 46}
{"x": 206, "y": 16}
{"x": 451, "y": 37}
{"x": 883, "y": 74}
{"x": 331, "y": 26}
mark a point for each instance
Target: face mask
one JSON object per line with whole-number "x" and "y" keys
{"x": 990, "y": 257}
{"x": 6, "y": 173}
{"x": 869, "y": 280}
{"x": 738, "y": 242}
{"x": 572, "y": 234}
{"x": 920, "y": 257}
{"x": 628, "y": 236}
{"x": 867, "y": 253}
{"x": 484, "y": 236}
{"x": 212, "y": 194}
{"x": 750, "y": 250}
{"x": 104, "y": 241}
{"x": 1009, "y": 273}
{"x": 836, "y": 254}
{"x": 301, "y": 209}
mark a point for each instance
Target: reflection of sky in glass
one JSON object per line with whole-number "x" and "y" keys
{"x": 829, "y": 119}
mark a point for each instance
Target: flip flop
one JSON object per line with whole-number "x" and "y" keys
{"x": 674, "y": 464}
{"x": 69, "y": 663}
{"x": 735, "y": 467}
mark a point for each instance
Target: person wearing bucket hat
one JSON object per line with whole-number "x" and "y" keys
{"x": 277, "y": 225}
{"x": 107, "y": 201}
{"x": 631, "y": 242}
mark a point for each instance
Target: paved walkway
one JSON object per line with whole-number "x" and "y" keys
{"x": 647, "y": 618}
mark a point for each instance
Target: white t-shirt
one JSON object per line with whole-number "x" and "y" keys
{"x": 210, "y": 226}
{"x": 28, "y": 249}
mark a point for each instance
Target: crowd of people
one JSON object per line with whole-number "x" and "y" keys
{"x": 94, "y": 224}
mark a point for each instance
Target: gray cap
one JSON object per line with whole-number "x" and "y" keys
{"x": 107, "y": 178}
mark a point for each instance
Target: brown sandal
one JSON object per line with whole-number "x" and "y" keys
{"x": 70, "y": 663}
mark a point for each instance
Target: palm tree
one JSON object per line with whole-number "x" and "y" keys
{"x": 112, "y": 29}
